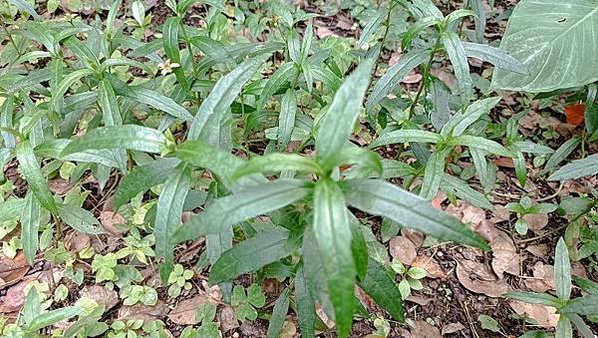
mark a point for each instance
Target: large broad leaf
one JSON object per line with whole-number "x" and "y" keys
{"x": 241, "y": 206}
{"x": 169, "y": 212}
{"x": 130, "y": 136}
{"x": 382, "y": 288}
{"x": 142, "y": 178}
{"x": 385, "y": 199}
{"x": 556, "y": 40}
{"x": 221, "y": 97}
{"x": 254, "y": 253}
{"x": 337, "y": 124}
{"x": 576, "y": 169}
{"x": 33, "y": 174}
{"x": 332, "y": 231}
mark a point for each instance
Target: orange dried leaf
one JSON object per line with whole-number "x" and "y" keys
{"x": 575, "y": 114}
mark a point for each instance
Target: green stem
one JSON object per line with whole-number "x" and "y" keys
{"x": 387, "y": 24}
{"x": 426, "y": 73}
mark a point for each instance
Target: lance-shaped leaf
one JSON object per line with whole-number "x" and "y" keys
{"x": 433, "y": 174}
{"x": 53, "y": 317}
{"x": 250, "y": 255}
{"x": 221, "y": 97}
{"x": 333, "y": 234}
{"x": 576, "y": 169}
{"x": 534, "y": 298}
{"x": 277, "y": 162}
{"x": 286, "y": 118}
{"x": 586, "y": 305}
{"x": 385, "y": 199}
{"x": 496, "y": 56}
{"x": 24, "y": 6}
{"x": 459, "y": 123}
{"x": 110, "y": 109}
{"x": 453, "y": 185}
{"x": 562, "y": 153}
{"x": 562, "y": 270}
{"x": 481, "y": 144}
{"x": 30, "y": 218}
{"x": 156, "y": 100}
{"x": 406, "y": 136}
{"x": 279, "y": 314}
{"x": 336, "y": 126}
{"x": 562, "y": 33}
{"x": 128, "y": 136}
{"x": 143, "y": 177}
{"x": 381, "y": 287}
{"x": 394, "y": 75}
{"x": 282, "y": 75}
{"x": 170, "y": 39}
{"x": 80, "y": 219}
{"x": 241, "y": 206}
{"x": 33, "y": 174}
{"x": 456, "y": 54}
{"x": 306, "y": 306}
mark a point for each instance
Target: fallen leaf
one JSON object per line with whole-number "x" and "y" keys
{"x": 412, "y": 78}
{"x": 500, "y": 213}
{"x": 452, "y": 328}
{"x": 184, "y": 312}
{"x": 143, "y": 312}
{"x": 504, "y": 255}
{"x": 102, "y": 296}
{"x": 431, "y": 265}
{"x": 473, "y": 215}
{"x": 227, "y": 319}
{"x": 416, "y": 237}
{"x": 12, "y": 270}
{"x": 479, "y": 278}
{"x": 402, "y": 249}
{"x": 59, "y": 186}
{"x": 324, "y": 317}
{"x": 545, "y": 315}
{"x": 505, "y": 162}
{"x": 575, "y": 114}
{"x": 538, "y": 250}
{"x": 543, "y": 278}
{"x": 536, "y": 221}
{"x": 424, "y": 330}
{"x": 109, "y": 219}
{"x": 14, "y": 299}
{"x": 420, "y": 300}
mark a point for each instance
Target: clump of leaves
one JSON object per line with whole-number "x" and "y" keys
{"x": 132, "y": 294}
{"x": 526, "y": 206}
{"x": 245, "y": 302}
{"x": 179, "y": 280}
{"x": 410, "y": 277}
{"x": 104, "y": 266}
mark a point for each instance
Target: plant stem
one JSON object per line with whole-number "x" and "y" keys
{"x": 13, "y": 43}
{"x": 426, "y": 73}
{"x": 387, "y": 24}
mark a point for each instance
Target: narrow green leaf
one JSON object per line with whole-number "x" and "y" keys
{"x": 433, "y": 175}
{"x": 563, "y": 328}
{"x": 80, "y": 219}
{"x": 52, "y": 317}
{"x": 406, "y": 136}
{"x": 496, "y": 56}
{"x": 477, "y": 6}
{"x": 370, "y": 29}
{"x": 472, "y": 113}
{"x": 279, "y": 314}
{"x": 31, "y": 170}
{"x": 241, "y": 206}
{"x": 6, "y": 118}
{"x": 394, "y": 75}
{"x": 581, "y": 326}
{"x": 591, "y": 113}
{"x": 24, "y": 6}
{"x": 333, "y": 234}
{"x": 306, "y": 306}
{"x": 277, "y": 162}
{"x": 286, "y": 118}
{"x": 110, "y": 108}
{"x": 67, "y": 82}
{"x": 156, "y": 100}
{"x": 170, "y": 210}
{"x": 562, "y": 153}
{"x": 221, "y": 97}
{"x": 462, "y": 190}
{"x": 586, "y": 305}
{"x": 170, "y": 38}
{"x": 481, "y": 144}
{"x": 30, "y": 218}
{"x": 265, "y": 247}
{"x": 482, "y": 169}
{"x": 385, "y": 199}
{"x": 456, "y": 54}
{"x": 143, "y": 177}
{"x": 586, "y": 284}
{"x": 533, "y": 298}
{"x": 577, "y": 169}
{"x": 336, "y": 126}
{"x": 385, "y": 292}
{"x": 562, "y": 270}
{"x": 533, "y": 148}
{"x": 129, "y": 136}
{"x": 286, "y": 73}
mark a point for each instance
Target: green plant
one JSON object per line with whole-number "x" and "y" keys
{"x": 132, "y": 294}
{"x": 410, "y": 278}
{"x": 570, "y": 310}
{"x": 179, "y": 280}
{"x": 103, "y": 266}
{"x": 125, "y": 329}
{"x": 526, "y": 206}
{"x": 245, "y": 303}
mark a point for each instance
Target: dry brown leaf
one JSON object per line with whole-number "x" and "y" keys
{"x": 12, "y": 270}
{"x": 15, "y": 298}
{"x": 402, "y": 249}
{"x": 504, "y": 255}
{"x": 323, "y": 316}
{"x": 452, "y": 328}
{"x": 420, "y": 300}
{"x": 102, "y": 296}
{"x": 431, "y": 265}
{"x": 143, "y": 312}
{"x": 479, "y": 278}
{"x": 424, "y": 330}
{"x": 227, "y": 319}
{"x": 414, "y": 236}
{"x": 448, "y": 78}
{"x": 412, "y": 78}
{"x": 536, "y": 221}
{"x": 184, "y": 312}
{"x": 59, "y": 186}
{"x": 543, "y": 279}
{"x": 538, "y": 250}
{"x": 545, "y": 315}
{"x": 109, "y": 219}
